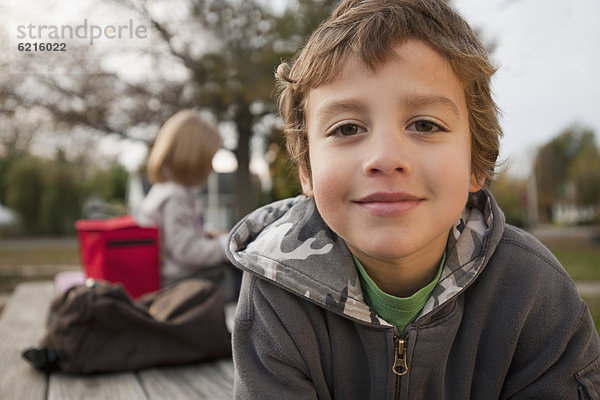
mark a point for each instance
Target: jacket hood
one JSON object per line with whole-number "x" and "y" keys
{"x": 288, "y": 243}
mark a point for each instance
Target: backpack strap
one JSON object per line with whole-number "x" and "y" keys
{"x": 44, "y": 359}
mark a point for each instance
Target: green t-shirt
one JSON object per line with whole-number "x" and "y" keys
{"x": 399, "y": 311}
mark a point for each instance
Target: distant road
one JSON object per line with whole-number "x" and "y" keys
{"x": 568, "y": 232}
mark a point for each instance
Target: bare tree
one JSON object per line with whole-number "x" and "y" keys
{"x": 227, "y": 50}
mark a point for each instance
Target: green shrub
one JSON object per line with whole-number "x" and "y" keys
{"x": 109, "y": 185}
{"x": 45, "y": 194}
{"x": 60, "y": 204}
{"x": 24, "y": 185}
{"x": 48, "y": 195}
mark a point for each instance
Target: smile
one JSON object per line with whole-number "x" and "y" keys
{"x": 382, "y": 204}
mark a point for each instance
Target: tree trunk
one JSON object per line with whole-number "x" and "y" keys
{"x": 246, "y": 193}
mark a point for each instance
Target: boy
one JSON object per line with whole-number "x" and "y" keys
{"x": 395, "y": 275}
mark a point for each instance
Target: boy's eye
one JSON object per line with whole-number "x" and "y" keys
{"x": 424, "y": 126}
{"x": 346, "y": 130}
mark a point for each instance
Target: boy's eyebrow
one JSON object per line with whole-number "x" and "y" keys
{"x": 416, "y": 101}
{"x": 334, "y": 108}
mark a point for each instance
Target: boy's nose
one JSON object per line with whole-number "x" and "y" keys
{"x": 387, "y": 152}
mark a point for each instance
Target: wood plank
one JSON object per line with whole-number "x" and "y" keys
{"x": 213, "y": 381}
{"x": 210, "y": 381}
{"x": 119, "y": 386}
{"x": 22, "y": 325}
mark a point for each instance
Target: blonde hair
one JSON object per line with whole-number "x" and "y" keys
{"x": 183, "y": 150}
{"x": 370, "y": 29}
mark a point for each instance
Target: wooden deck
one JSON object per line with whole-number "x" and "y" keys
{"x": 22, "y": 326}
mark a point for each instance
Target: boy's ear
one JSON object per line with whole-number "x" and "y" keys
{"x": 475, "y": 183}
{"x": 305, "y": 181}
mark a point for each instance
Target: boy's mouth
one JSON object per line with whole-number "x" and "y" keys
{"x": 388, "y": 204}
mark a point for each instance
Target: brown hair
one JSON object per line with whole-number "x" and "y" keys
{"x": 370, "y": 29}
{"x": 183, "y": 150}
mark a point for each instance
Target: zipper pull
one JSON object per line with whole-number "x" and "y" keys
{"x": 400, "y": 366}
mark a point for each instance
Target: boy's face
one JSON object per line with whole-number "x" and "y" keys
{"x": 390, "y": 155}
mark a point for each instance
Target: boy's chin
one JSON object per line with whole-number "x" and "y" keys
{"x": 387, "y": 254}
{"x": 398, "y": 251}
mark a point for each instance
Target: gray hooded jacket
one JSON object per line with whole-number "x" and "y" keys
{"x": 504, "y": 321}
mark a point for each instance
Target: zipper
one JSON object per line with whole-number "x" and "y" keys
{"x": 400, "y": 366}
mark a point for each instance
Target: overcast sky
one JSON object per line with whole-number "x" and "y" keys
{"x": 548, "y": 54}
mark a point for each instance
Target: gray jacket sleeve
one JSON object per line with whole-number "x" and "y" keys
{"x": 267, "y": 362}
{"x": 181, "y": 241}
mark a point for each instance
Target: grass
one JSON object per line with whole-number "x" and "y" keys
{"x": 580, "y": 257}
{"x": 37, "y": 259}
{"x": 593, "y": 303}
{"x": 65, "y": 255}
{"x": 582, "y": 265}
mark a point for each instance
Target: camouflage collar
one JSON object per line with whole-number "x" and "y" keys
{"x": 288, "y": 243}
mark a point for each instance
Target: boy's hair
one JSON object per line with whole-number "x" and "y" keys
{"x": 370, "y": 29}
{"x": 183, "y": 150}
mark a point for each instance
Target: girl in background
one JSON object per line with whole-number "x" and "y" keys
{"x": 178, "y": 167}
